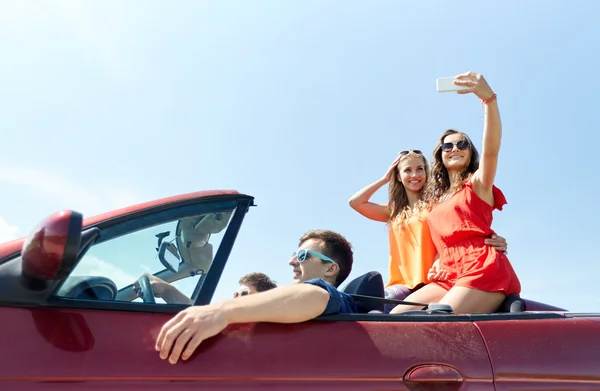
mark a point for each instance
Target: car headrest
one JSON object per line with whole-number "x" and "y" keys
{"x": 201, "y": 257}
{"x": 369, "y": 284}
{"x": 193, "y": 235}
{"x": 512, "y": 304}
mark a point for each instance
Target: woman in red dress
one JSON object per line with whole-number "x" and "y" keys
{"x": 463, "y": 196}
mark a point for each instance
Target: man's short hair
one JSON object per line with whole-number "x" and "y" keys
{"x": 336, "y": 247}
{"x": 260, "y": 281}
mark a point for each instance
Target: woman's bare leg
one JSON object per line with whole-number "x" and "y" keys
{"x": 430, "y": 293}
{"x": 472, "y": 301}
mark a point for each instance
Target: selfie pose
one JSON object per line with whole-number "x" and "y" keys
{"x": 462, "y": 197}
{"x": 412, "y": 251}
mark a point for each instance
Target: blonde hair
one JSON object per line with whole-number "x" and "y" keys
{"x": 398, "y": 207}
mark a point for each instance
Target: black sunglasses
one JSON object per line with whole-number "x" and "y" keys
{"x": 240, "y": 294}
{"x": 463, "y": 144}
{"x": 402, "y": 153}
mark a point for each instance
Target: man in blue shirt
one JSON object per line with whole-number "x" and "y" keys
{"x": 314, "y": 264}
{"x": 322, "y": 262}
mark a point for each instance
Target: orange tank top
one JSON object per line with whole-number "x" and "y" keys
{"x": 412, "y": 251}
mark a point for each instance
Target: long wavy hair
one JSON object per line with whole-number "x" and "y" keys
{"x": 397, "y": 197}
{"x": 440, "y": 182}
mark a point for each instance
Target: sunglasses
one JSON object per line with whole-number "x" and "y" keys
{"x": 301, "y": 255}
{"x": 463, "y": 144}
{"x": 417, "y": 151}
{"x": 242, "y": 293}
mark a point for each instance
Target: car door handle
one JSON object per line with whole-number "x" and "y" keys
{"x": 434, "y": 375}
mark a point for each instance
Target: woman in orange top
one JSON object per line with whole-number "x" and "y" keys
{"x": 412, "y": 252}
{"x": 463, "y": 196}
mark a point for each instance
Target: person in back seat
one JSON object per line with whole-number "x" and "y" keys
{"x": 253, "y": 283}
{"x": 249, "y": 284}
{"x": 412, "y": 252}
{"x": 322, "y": 262}
{"x": 463, "y": 197}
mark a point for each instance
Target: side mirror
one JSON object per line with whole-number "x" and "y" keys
{"x": 168, "y": 256}
{"x": 50, "y": 251}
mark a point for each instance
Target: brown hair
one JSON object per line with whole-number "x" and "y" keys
{"x": 260, "y": 281}
{"x": 397, "y": 197}
{"x": 336, "y": 247}
{"x": 440, "y": 183}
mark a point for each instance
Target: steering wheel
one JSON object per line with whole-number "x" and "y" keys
{"x": 146, "y": 291}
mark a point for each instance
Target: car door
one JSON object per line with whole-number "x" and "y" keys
{"x": 104, "y": 348}
{"x": 82, "y": 337}
{"x": 543, "y": 351}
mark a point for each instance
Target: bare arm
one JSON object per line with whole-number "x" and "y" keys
{"x": 360, "y": 201}
{"x": 286, "y": 304}
{"x": 173, "y": 295}
{"x": 484, "y": 177}
{"x": 164, "y": 290}
{"x": 492, "y": 135}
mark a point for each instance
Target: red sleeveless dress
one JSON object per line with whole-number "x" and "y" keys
{"x": 459, "y": 226}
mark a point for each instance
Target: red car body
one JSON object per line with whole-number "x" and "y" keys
{"x": 51, "y": 342}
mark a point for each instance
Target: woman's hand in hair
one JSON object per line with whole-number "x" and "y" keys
{"x": 392, "y": 169}
{"x": 360, "y": 201}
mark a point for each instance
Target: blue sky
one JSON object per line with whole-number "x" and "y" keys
{"x": 106, "y": 103}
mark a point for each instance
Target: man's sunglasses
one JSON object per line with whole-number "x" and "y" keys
{"x": 463, "y": 144}
{"x": 403, "y": 153}
{"x": 301, "y": 255}
{"x": 242, "y": 293}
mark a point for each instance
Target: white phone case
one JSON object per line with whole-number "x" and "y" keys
{"x": 446, "y": 84}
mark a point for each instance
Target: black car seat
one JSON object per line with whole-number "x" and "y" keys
{"x": 369, "y": 284}
{"x": 512, "y": 303}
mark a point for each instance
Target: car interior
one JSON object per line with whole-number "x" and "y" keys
{"x": 369, "y": 292}
{"x": 189, "y": 252}
{"x": 191, "y": 255}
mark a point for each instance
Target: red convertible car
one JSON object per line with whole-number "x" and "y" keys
{"x": 71, "y": 321}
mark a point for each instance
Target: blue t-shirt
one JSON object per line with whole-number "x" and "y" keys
{"x": 339, "y": 302}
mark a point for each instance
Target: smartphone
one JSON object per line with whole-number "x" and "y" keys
{"x": 446, "y": 84}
